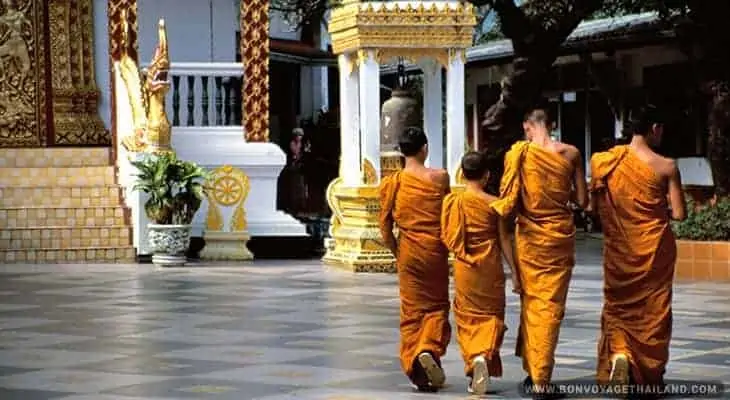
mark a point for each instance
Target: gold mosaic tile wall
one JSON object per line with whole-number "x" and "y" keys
{"x": 61, "y": 205}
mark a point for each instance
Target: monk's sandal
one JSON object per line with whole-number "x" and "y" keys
{"x": 619, "y": 370}
{"x": 480, "y": 376}
{"x": 433, "y": 371}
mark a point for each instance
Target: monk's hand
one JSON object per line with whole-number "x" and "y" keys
{"x": 516, "y": 286}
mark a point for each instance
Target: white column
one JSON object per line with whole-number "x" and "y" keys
{"x": 370, "y": 108}
{"x": 349, "y": 119}
{"x": 455, "y": 120}
{"x": 433, "y": 113}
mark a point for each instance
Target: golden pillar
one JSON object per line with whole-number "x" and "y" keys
{"x": 255, "y": 56}
{"x": 75, "y": 95}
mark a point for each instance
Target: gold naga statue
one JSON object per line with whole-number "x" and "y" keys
{"x": 141, "y": 115}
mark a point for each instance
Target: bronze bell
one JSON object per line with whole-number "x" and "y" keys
{"x": 398, "y": 113}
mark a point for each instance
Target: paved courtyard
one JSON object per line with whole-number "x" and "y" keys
{"x": 274, "y": 331}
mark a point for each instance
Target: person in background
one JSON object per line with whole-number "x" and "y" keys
{"x": 293, "y": 197}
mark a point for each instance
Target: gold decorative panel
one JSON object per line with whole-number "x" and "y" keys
{"x": 402, "y": 25}
{"x": 43, "y": 40}
{"x": 22, "y": 74}
{"x": 227, "y": 187}
{"x": 117, "y": 10}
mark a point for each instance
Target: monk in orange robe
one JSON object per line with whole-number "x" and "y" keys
{"x": 469, "y": 229}
{"x": 629, "y": 190}
{"x": 411, "y": 199}
{"x": 541, "y": 178}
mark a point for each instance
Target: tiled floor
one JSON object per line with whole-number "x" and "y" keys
{"x": 274, "y": 331}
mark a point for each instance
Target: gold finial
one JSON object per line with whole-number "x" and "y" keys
{"x": 162, "y": 33}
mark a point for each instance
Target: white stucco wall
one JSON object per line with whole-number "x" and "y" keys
{"x": 101, "y": 60}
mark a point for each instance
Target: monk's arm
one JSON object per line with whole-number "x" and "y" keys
{"x": 508, "y": 251}
{"x": 676, "y": 195}
{"x": 580, "y": 195}
{"x": 386, "y": 229}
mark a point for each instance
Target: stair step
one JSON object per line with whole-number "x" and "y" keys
{"x": 55, "y": 176}
{"x": 62, "y": 197}
{"x": 55, "y": 157}
{"x": 48, "y": 237}
{"x": 28, "y": 217}
{"x": 73, "y": 255}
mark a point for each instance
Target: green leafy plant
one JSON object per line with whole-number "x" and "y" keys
{"x": 176, "y": 188}
{"x": 705, "y": 223}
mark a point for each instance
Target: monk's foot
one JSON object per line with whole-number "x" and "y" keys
{"x": 620, "y": 370}
{"x": 480, "y": 376}
{"x": 426, "y": 389}
{"x": 434, "y": 373}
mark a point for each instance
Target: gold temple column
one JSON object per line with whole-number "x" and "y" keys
{"x": 74, "y": 92}
{"x": 255, "y": 56}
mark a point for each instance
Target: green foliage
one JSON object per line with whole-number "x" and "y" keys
{"x": 175, "y": 187}
{"x": 706, "y": 223}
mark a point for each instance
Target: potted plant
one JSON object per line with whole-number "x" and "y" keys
{"x": 703, "y": 245}
{"x": 176, "y": 191}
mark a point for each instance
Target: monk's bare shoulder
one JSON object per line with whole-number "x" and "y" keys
{"x": 666, "y": 167}
{"x": 570, "y": 152}
{"x": 438, "y": 176}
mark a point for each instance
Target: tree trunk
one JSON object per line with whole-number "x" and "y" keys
{"x": 537, "y": 31}
{"x": 718, "y": 148}
{"x": 502, "y": 124}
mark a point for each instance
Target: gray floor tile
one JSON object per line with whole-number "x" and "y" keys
{"x": 278, "y": 330}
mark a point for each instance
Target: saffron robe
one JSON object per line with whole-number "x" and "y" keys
{"x": 639, "y": 253}
{"x": 536, "y": 187}
{"x": 469, "y": 228}
{"x": 414, "y": 204}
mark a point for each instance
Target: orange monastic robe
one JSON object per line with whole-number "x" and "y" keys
{"x": 639, "y": 252}
{"x": 537, "y": 186}
{"x": 414, "y": 205}
{"x": 469, "y": 228}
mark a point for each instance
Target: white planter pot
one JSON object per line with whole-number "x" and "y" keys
{"x": 168, "y": 244}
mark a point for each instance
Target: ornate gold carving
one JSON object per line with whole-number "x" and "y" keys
{"x": 350, "y": 63}
{"x": 390, "y": 162}
{"x": 22, "y": 74}
{"x": 228, "y": 187}
{"x": 336, "y": 219}
{"x": 369, "y": 176}
{"x": 414, "y": 56}
{"x": 459, "y": 54}
{"x": 356, "y": 243}
{"x": 390, "y": 25}
{"x": 145, "y": 127}
{"x": 123, "y": 29}
{"x": 156, "y": 86}
{"x": 75, "y": 95}
{"x": 255, "y": 55}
